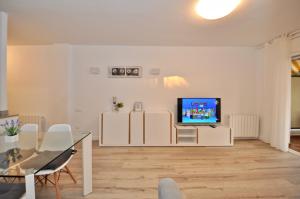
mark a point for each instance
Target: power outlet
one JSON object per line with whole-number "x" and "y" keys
{"x": 94, "y": 70}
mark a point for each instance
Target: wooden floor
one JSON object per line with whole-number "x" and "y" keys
{"x": 295, "y": 143}
{"x": 250, "y": 169}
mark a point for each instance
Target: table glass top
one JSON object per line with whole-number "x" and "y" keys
{"x": 30, "y": 154}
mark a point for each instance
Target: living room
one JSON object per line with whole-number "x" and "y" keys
{"x": 60, "y": 69}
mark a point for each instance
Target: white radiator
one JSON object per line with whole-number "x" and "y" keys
{"x": 33, "y": 119}
{"x": 244, "y": 125}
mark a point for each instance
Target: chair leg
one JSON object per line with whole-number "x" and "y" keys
{"x": 56, "y": 186}
{"x": 46, "y": 179}
{"x": 39, "y": 180}
{"x": 70, "y": 174}
{"x": 5, "y": 180}
{"x": 59, "y": 174}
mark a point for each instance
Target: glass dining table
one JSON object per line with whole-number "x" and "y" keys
{"x": 27, "y": 156}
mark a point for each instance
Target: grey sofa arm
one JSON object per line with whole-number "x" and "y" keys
{"x": 168, "y": 189}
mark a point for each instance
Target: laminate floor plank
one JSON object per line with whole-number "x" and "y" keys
{"x": 250, "y": 169}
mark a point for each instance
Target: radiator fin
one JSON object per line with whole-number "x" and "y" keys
{"x": 244, "y": 125}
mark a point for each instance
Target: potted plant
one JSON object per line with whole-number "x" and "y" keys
{"x": 117, "y": 105}
{"x": 11, "y": 130}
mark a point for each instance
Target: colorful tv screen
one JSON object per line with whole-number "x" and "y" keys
{"x": 199, "y": 111}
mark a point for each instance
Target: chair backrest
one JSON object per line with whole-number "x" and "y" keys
{"x": 60, "y": 128}
{"x": 58, "y": 137}
{"x": 32, "y": 129}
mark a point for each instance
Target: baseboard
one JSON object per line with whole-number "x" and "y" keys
{"x": 246, "y": 138}
{"x": 295, "y": 133}
{"x": 294, "y": 152}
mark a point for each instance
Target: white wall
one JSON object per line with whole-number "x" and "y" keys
{"x": 38, "y": 81}
{"x": 3, "y": 61}
{"x": 55, "y": 80}
{"x": 226, "y": 72}
{"x": 295, "y": 102}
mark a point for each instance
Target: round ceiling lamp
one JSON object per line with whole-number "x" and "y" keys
{"x": 215, "y": 9}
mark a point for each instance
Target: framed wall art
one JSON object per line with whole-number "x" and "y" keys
{"x": 125, "y": 71}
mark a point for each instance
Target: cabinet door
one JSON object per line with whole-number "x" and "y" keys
{"x": 136, "y": 128}
{"x": 115, "y": 129}
{"x": 219, "y": 136}
{"x": 157, "y": 129}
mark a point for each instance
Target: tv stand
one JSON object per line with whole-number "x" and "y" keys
{"x": 203, "y": 136}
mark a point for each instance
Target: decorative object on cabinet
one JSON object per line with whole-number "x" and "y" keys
{"x": 138, "y": 106}
{"x": 11, "y": 130}
{"x": 117, "y": 105}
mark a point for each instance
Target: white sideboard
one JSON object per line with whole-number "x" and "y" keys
{"x": 157, "y": 129}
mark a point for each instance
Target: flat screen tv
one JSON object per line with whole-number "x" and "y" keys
{"x": 198, "y": 111}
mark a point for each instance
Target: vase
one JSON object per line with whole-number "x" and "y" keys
{"x": 115, "y": 108}
{"x": 13, "y": 138}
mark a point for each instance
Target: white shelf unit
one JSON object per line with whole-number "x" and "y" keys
{"x": 135, "y": 128}
{"x": 157, "y": 129}
{"x": 203, "y": 136}
{"x": 186, "y": 135}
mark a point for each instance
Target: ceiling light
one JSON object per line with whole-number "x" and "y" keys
{"x": 215, "y": 9}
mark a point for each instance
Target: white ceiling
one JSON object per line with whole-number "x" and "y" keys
{"x": 145, "y": 22}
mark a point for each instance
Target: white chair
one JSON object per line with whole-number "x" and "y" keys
{"x": 58, "y": 137}
{"x": 60, "y": 128}
{"x": 33, "y": 130}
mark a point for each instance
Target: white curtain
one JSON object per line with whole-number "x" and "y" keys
{"x": 276, "y": 94}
